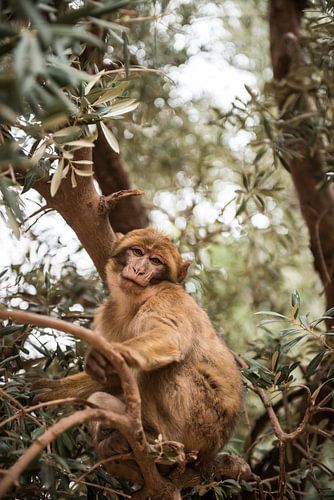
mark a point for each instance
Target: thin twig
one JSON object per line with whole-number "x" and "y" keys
{"x": 50, "y": 435}
{"x": 124, "y": 456}
{"x": 100, "y": 487}
{"x": 107, "y": 203}
{"x": 18, "y": 405}
{"x": 54, "y": 402}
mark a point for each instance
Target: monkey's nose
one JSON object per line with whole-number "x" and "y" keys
{"x": 138, "y": 272}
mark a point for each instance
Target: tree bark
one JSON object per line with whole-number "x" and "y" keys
{"x": 112, "y": 175}
{"x": 317, "y": 205}
{"x": 81, "y": 209}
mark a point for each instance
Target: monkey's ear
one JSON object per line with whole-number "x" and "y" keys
{"x": 183, "y": 269}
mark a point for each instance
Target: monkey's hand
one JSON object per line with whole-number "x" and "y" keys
{"x": 98, "y": 367}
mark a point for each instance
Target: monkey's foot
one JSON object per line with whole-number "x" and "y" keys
{"x": 167, "y": 452}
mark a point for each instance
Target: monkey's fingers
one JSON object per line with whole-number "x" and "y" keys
{"x": 98, "y": 367}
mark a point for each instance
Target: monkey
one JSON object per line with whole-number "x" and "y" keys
{"x": 189, "y": 383}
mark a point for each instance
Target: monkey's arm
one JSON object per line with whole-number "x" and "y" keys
{"x": 158, "y": 346}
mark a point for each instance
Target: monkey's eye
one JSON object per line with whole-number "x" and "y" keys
{"x": 137, "y": 251}
{"x": 156, "y": 261}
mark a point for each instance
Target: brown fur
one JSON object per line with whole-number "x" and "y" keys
{"x": 188, "y": 380}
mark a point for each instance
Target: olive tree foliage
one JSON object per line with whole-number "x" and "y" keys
{"x": 229, "y": 204}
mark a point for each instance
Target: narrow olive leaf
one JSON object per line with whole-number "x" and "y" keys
{"x": 295, "y": 299}
{"x": 274, "y": 360}
{"x": 94, "y": 80}
{"x": 20, "y": 54}
{"x": 109, "y": 24}
{"x": 10, "y": 198}
{"x": 289, "y": 345}
{"x": 38, "y": 154}
{"x": 122, "y": 108}
{"x": 110, "y": 138}
{"x": 66, "y": 169}
{"x": 250, "y": 91}
{"x": 315, "y": 363}
{"x": 108, "y": 93}
{"x": 83, "y": 173}
{"x": 241, "y": 208}
{"x": 272, "y": 313}
{"x": 2, "y": 273}
{"x": 29, "y": 179}
{"x": 12, "y": 223}
{"x": 82, "y": 143}
{"x": 83, "y": 162}
{"x": 267, "y": 128}
{"x": 73, "y": 179}
{"x": 329, "y": 312}
{"x": 67, "y": 131}
{"x": 57, "y": 177}
{"x": 277, "y": 377}
{"x": 9, "y": 330}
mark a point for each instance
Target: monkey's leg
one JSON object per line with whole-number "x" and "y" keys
{"x": 110, "y": 442}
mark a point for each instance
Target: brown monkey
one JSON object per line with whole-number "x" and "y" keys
{"x": 189, "y": 383}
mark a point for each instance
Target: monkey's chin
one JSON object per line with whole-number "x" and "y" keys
{"x": 130, "y": 286}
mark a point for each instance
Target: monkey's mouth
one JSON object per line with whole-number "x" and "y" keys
{"x": 127, "y": 280}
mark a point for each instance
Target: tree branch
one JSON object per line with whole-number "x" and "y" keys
{"x": 80, "y": 209}
{"x": 112, "y": 175}
{"x": 129, "y": 423}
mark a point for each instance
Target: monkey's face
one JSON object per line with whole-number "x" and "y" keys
{"x": 142, "y": 267}
{"x": 142, "y": 258}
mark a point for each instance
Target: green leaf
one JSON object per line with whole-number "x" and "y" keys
{"x": 295, "y": 299}
{"x": 313, "y": 365}
{"x": 121, "y": 108}
{"x": 57, "y": 177}
{"x": 10, "y": 198}
{"x": 286, "y": 347}
{"x": 107, "y": 94}
{"x": 274, "y": 360}
{"x": 272, "y": 313}
{"x": 110, "y": 138}
{"x": 9, "y": 330}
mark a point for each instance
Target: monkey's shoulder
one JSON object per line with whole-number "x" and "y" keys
{"x": 170, "y": 296}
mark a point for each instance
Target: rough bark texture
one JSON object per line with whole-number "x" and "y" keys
{"x": 317, "y": 205}
{"x": 112, "y": 175}
{"x": 80, "y": 207}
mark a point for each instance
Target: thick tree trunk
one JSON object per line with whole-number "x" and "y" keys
{"x": 112, "y": 175}
{"x": 317, "y": 205}
{"x": 82, "y": 210}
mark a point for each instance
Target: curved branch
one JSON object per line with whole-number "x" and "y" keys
{"x": 50, "y": 435}
{"x": 129, "y": 423}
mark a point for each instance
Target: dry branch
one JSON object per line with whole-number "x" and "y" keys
{"x": 108, "y": 203}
